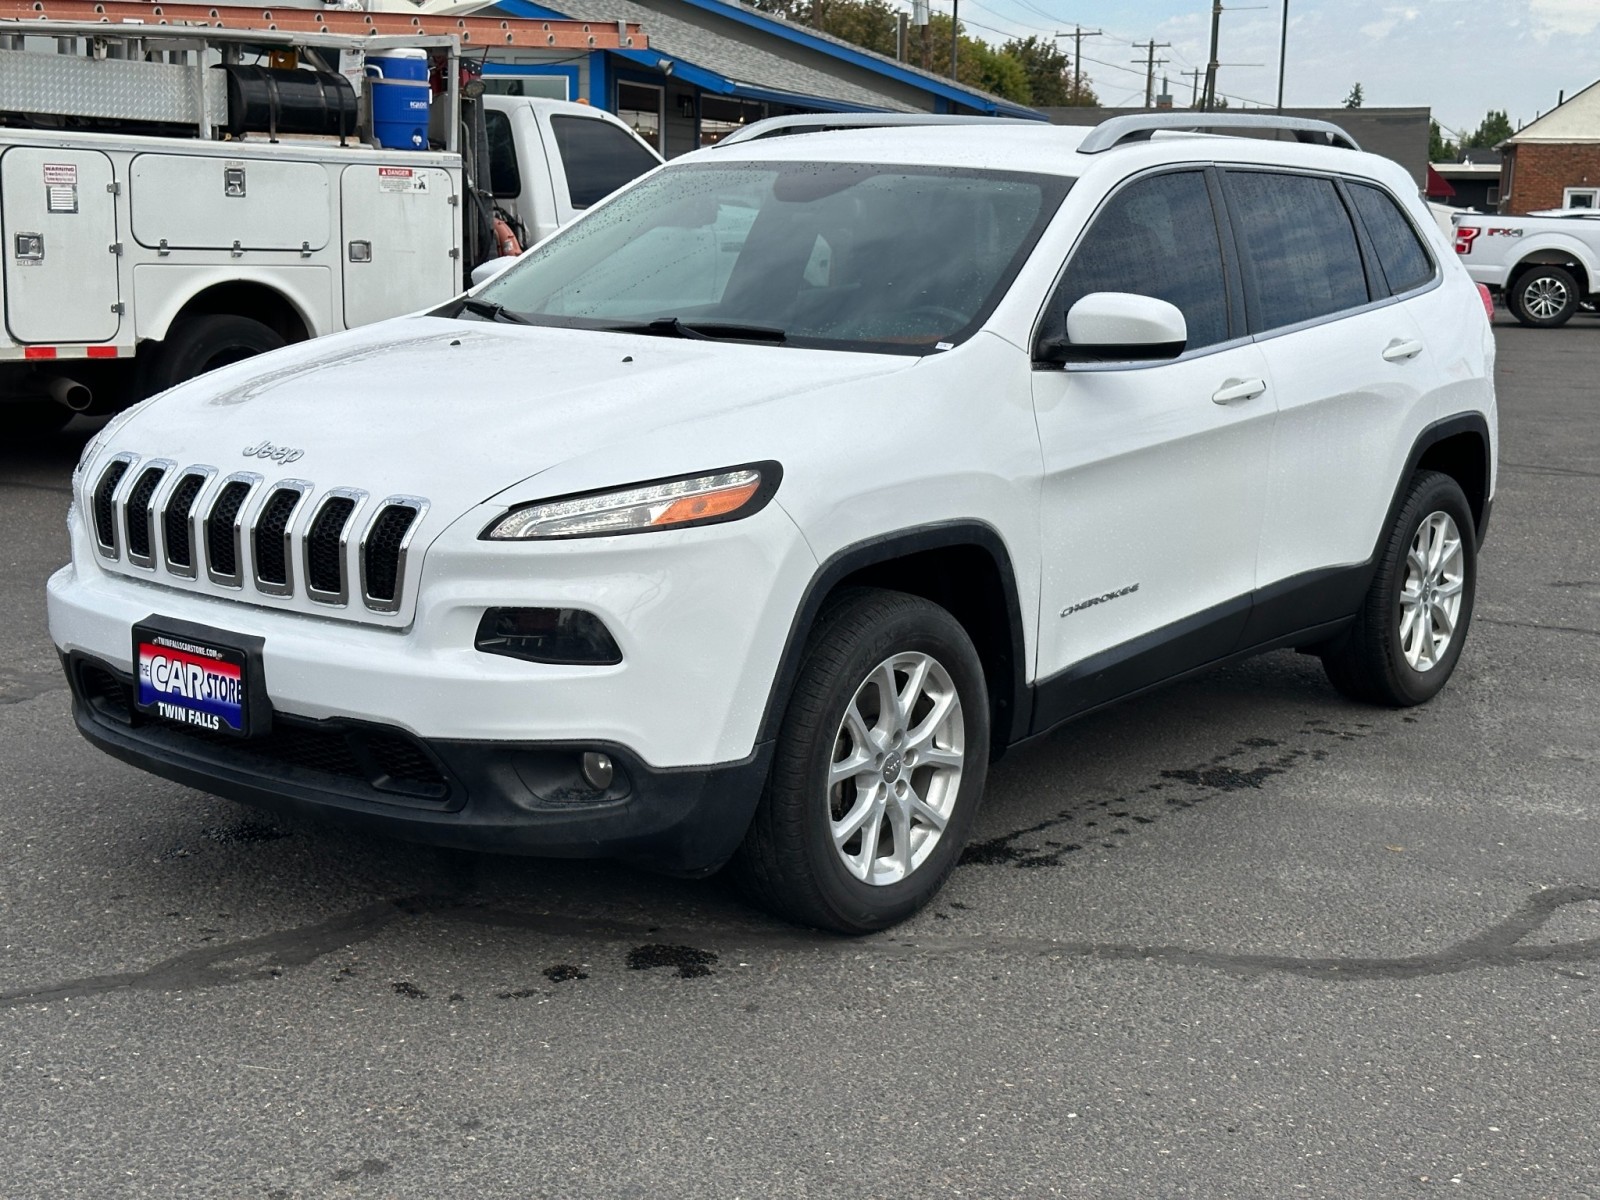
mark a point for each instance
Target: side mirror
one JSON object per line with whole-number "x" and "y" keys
{"x": 1118, "y": 327}
{"x": 484, "y": 272}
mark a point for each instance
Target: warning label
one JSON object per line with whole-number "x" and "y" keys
{"x": 58, "y": 173}
{"x": 401, "y": 179}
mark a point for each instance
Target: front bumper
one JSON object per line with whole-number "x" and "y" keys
{"x": 504, "y": 797}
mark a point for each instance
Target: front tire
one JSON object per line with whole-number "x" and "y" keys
{"x": 1408, "y": 635}
{"x": 1544, "y": 297}
{"x": 880, "y": 764}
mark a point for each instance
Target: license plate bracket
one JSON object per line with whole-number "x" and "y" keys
{"x": 205, "y": 679}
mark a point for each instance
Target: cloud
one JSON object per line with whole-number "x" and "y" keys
{"x": 1555, "y": 17}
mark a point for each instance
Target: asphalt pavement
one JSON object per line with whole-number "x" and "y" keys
{"x": 1237, "y": 938}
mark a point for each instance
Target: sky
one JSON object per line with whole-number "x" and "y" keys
{"x": 1459, "y": 57}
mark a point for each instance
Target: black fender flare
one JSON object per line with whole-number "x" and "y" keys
{"x": 1011, "y": 723}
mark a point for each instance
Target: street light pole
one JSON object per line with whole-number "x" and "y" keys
{"x": 1283, "y": 53}
{"x": 955, "y": 33}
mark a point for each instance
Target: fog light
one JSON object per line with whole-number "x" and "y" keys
{"x": 598, "y": 771}
{"x": 565, "y": 636}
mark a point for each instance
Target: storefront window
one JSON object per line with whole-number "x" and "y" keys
{"x": 639, "y": 107}
{"x": 719, "y": 117}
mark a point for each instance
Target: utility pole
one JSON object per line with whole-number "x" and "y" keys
{"x": 919, "y": 18}
{"x": 902, "y": 37}
{"x": 1077, "y": 35}
{"x": 1210, "y": 98}
{"x": 1283, "y": 53}
{"x": 1150, "y": 64}
{"x": 955, "y": 33}
{"x": 1194, "y": 78}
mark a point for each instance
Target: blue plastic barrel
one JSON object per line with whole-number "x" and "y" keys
{"x": 400, "y": 98}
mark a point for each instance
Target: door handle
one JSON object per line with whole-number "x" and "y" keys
{"x": 1402, "y": 349}
{"x": 1238, "y": 389}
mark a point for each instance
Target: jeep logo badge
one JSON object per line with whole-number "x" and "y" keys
{"x": 278, "y": 454}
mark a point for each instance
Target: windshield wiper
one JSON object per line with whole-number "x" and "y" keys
{"x": 704, "y": 331}
{"x": 495, "y": 312}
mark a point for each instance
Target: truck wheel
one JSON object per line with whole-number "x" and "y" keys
{"x": 1408, "y": 634}
{"x": 195, "y": 345}
{"x": 1544, "y": 297}
{"x": 879, "y": 767}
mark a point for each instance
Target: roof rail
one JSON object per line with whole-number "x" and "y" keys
{"x": 1139, "y": 127}
{"x": 830, "y": 122}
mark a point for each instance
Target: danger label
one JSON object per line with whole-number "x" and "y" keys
{"x": 60, "y": 173}
{"x": 401, "y": 179}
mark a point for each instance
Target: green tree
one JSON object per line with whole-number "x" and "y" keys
{"x": 871, "y": 24}
{"x": 1440, "y": 148}
{"x": 1049, "y": 73}
{"x": 1353, "y": 100}
{"x": 1496, "y": 128}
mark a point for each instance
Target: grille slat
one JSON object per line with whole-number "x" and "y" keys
{"x": 271, "y": 542}
{"x": 176, "y": 542}
{"x": 136, "y": 514}
{"x": 222, "y": 552}
{"x": 384, "y": 552}
{"x": 105, "y": 516}
{"x": 325, "y": 547}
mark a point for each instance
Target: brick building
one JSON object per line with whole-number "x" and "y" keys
{"x": 1554, "y": 162}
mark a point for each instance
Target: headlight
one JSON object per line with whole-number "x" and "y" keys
{"x": 724, "y": 495}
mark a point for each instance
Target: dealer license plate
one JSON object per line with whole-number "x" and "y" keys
{"x": 189, "y": 681}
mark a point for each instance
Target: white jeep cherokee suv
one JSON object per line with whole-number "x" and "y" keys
{"x": 750, "y": 517}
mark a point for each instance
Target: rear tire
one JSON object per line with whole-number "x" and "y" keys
{"x": 1544, "y": 297}
{"x": 195, "y": 345}
{"x": 880, "y": 765}
{"x": 1408, "y": 634}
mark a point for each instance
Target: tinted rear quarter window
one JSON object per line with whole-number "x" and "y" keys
{"x": 598, "y": 157}
{"x": 1401, "y": 254}
{"x": 1298, "y": 245}
{"x": 1156, "y": 237}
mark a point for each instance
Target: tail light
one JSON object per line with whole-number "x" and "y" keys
{"x": 1488, "y": 301}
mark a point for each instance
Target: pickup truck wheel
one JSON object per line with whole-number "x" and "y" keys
{"x": 1408, "y": 634}
{"x": 195, "y": 345}
{"x": 880, "y": 764}
{"x": 1545, "y": 297}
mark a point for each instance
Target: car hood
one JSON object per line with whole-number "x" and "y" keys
{"x": 458, "y": 411}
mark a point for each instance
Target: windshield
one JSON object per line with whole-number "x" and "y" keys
{"x": 845, "y": 256}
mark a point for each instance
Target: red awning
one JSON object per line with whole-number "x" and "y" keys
{"x": 1438, "y": 186}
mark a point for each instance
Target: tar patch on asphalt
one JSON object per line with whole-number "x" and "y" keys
{"x": 690, "y": 963}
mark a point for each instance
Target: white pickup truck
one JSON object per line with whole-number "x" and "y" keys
{"x": 140, "y": 251}
{"x": 1547, "y": 266}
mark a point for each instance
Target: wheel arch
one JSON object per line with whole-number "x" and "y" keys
{"x": 276, "y": 307}
{"x": 964, "y": 567}
{"x": 1555, "y": 254}
{"x": 1459, "y": 446}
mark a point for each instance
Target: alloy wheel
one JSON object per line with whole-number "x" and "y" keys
{"x": 1545, "y": 298}
{"x": 896, "y": 768}
{"x": 1430, "y": 601}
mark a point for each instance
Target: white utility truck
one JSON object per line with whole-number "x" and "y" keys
{"x": 168, "y": 204}
{"x": 1547, "y": 266}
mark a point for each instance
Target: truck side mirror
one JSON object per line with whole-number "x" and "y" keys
{"x": 495, "y": 267}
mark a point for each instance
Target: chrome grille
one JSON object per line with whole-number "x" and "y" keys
{"x": 272, "y": 533}
{"x": 164, "y": 518}
{"x": 136, "y": 514}
{"x": 177, "y": 524}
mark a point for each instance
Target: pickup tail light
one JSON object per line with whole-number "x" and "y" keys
{"x": 1488, "y": 301}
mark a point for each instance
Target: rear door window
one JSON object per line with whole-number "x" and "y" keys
{"x": 1156, "y": 237}
{"x": 1401, "y": 255}
{"x": 598, "y": 157}
{"x": 504, "y": 175}
{"x": 1298, "y": 245}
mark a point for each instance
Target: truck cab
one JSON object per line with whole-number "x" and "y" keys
{"x": 549, "y": 160}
